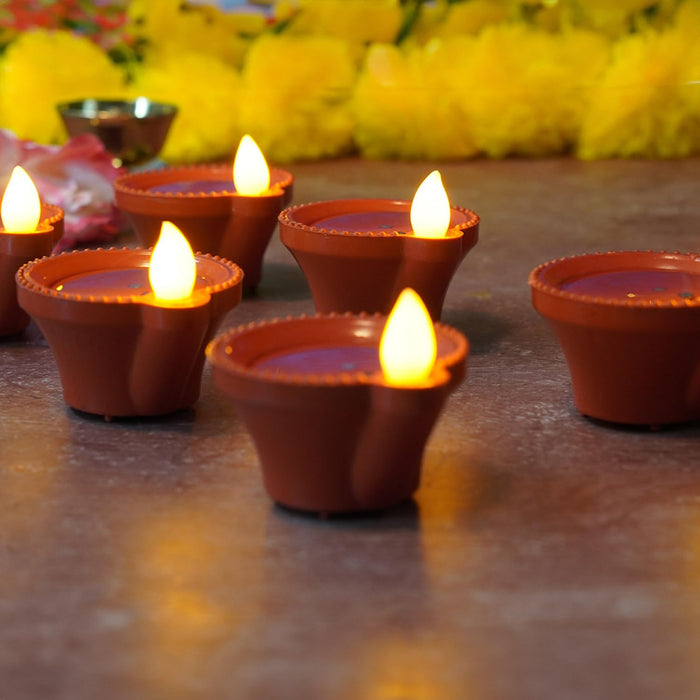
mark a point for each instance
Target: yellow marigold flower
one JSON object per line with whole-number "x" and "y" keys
{"x": 665, "y": 13}
{"x": 408, "y": 105}
{"x": 472, "y": 17}
{"x": 687, "y": 30}
{"x": 285, "y": 9}
{"x": 628, "y": 6}
{"x": 296, "y": 93}
{"x": 527, "y": 88}
{"x": 357, "y": 21}
{"x": 207, "y": 93}
{"x": 615, "y": 19}
{"x": 442, "y": 18}
{"x": 648, "y": 102}
{"x": 426, "y": 24}
{"x": 41, "y": 69}
{"x": 552, "y": 17}
{"x": 169, "y": 29}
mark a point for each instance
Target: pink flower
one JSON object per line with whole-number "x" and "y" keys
{"x": 76, "y": 177}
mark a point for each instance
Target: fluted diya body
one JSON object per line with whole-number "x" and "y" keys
{"x": 17, "y": 249}
{"x": 331, "y": 435}
{"x": 629, "y": 325}
{"x": 119, "y": 351}
{"x": 202, "y": 202}
{"x": 358, "y": 254}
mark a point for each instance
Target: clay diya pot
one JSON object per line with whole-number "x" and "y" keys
{"x": 629, "y": 326}
{"x": 332, "y": 436}
{"x": 132, "y": 131}
{"x": 53, "y": 216}
{"x": 120, "y": 352}
{"x": 17, "y": 249}
{"x": 358, "y": 254}
{"x": 202, "y": 202}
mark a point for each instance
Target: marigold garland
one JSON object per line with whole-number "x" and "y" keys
{"x": 296, "y": 95}
{"x": 320, "y": 78}
{"x": 411, "y": 104}
{"x": 207, "y": 125}
{"x": 170, "y": 27}
{"x": 358, "y": 22}
{"x": 648, "y": 101}
{"x": 42, "y": 68}
{"x": 530, "y": 107}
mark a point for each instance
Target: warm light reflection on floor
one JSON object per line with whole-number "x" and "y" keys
{"x": 178, "y": 554}
{"x": 687, "y": 594}
{"x": 26, "y": 488}
{"x": 411, "y": 667}
{"x": 451, "y": 492}
{"x": 407, "y": 662}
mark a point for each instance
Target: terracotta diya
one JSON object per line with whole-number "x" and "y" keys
{"x": 358, "y": 254}
{"x": 132, "y": 131}
{"x": 125, "y": 343}
{"x": 235, "y": 222}
{"x": 629, "y": 326}
{"x": 52, "y": 215}
{"x": 334, "y": 431}
{"x": 30, "y": 229}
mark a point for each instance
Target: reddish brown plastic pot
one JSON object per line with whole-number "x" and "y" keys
{"x": 52, "y": 215}
{"x": 202, "y": 202}
{"x": 17, "y": 249}
{"x": 118, "y": 351}
{"x": 629, "y": 326}
{"x": 331, "y": 435}
{"x": 358, "y": 254}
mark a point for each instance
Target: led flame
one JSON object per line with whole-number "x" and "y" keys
{"x": 430, "y": 209}
{"x": 251, "y": 176}
{"x": 172, "y": 271}
{"x": 21, "y": 206}
{"x": 408, "y": 348}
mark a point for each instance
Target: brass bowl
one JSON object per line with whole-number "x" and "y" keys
{"x": 132, "y": 131}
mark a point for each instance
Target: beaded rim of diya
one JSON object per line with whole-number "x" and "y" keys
{"x": 332, "y": 440}
{"x": 53, "y": 215}
{"x": 217, "y": 221}
{"x": 365, "y": 270}
{"x": 17, "y": 249}
{"x": 119, "y": 351}
{"x": 629, "y": 325}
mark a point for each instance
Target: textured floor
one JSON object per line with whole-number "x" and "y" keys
{"x": 544, "y": 556}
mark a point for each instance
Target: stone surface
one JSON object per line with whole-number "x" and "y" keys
{"x": 544, "y": 556}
